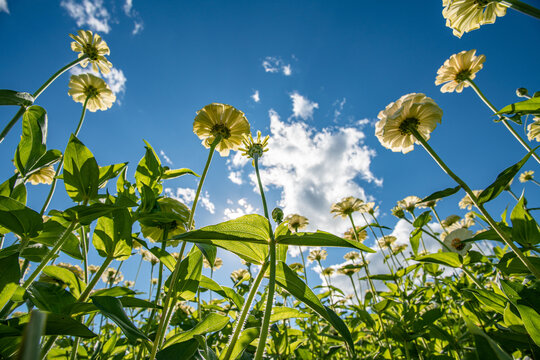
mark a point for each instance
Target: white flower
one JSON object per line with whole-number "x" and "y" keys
{"x": 454, "y": 241}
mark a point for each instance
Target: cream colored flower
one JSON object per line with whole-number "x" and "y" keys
{"x": 218, "y": 262}
{"x": 427, "y": 204}
{"x": 296, "y": 267}
{"x": 154, "y": 281}
{"x": 526, "y": 176}
{"x": 416, "y": 111}
{"x": 454, "y": 241}
{"x": 93, "y": 269}
{"x": 92, "y": 45}
{"x": 129, "y": 283}
{"x": 467, "y": 15}
{"x": 112, "y": 276}
{"x": 42, "y": 176}
{"x": 369, "y": 208}
{"x": 223, "y": 120}
{"x": 173, "y": 216}
{"x": 398, "y": 212}
{"x": 254, "y": 148}
{"x": 148, "y": 256}
{"x": 240, "y": 275}
{"x": 296, "y": 222}
{"x": 329, "y": 271}
{"x": 450, "y": 220}
{"x": 349, "y": 234}
{"x": 396, "y": 249}
{"x": 349, "y": 270}
{"x": 352, "y": 256}
{"x": 76, "y": 269}
{"x": 458, "y": 69}
{"x": 317, "y": 255}
{"x": 346, "y": 206}
{"x": 466, "y": 202}
{"x": 93, "y": 88}
{"x": 533, "y": 129}
{"x": 387, "y": 241}
{"x": 409, "y": 203}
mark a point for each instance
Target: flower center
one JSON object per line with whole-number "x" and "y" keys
{"x": 463, "y": 75}
{"x": 408, "y": 124}
{"x": 221, "y": 130}
{"x": 91, "y": 91}
{"x": 255, "y": 150}
{"x": 457, "y": 244}
{"x": 482, "y": 3}
{"x": 91, "y": 51}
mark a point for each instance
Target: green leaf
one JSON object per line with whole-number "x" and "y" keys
{"x": 209, "y": 252}
{"x": 76, "y": 285}
{"x": 86, "y": 214}
{"x": 510, "y": 264}
{"x": 320, "y": 238}
{"x": 526, "y": 301}
{"x": 114, "y": 291}
{"x": 109, "y": 172}
{"x": 186, "y": 349}
{"x": 149, "y": 171}
{"x": 19, "y": 219}
{"x": 172, "y": 174}
{"x": 58, "y": 324}
{"x": 441, "y": 194}
{"x": 246, "y": 337}
{"x": 9, "y": 276}
{"x": 112, "y": 308}
{"x": 489, "y": 299}
{"x": 524, "y": 227}
{"x": 212, "y": 323}
{"x": 12, "y": 97}
{"x": 81, "y": 171}
{"x": 226, "y": 292}
{"x": 443, "y": 258}
{"x": 14, "y": 188}
{"x": 486, "y": 348}
{"x": 529, "y": 106}
{"x": 53, "y": 229}
{"x": 246, "y": 236}
{"x": 33, "y": 140}
{"x": 414, "y": 239}
{"x": 164, "y": 257}
{"x": 289, "y": 280}
{"x": 503, "y": 180}
{"x": 423, "y": 219}
{"x": 112, "y": 235}
{"x": 50, "y": 297}
{"x": 282, "y": 312}
{"x": 189, "y": 275}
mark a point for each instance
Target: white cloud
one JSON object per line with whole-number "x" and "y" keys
{"x": 165, "y": 157}
{"x": 187, "y": 195}
{"x": 237, "y": 161}
{"x": 302, "y": 107}
{"x": 115, "y": 78}
{"x": 138, "y": 25}
{"x": 256, "y": 97}
{"x": 244, "y": 208}
{"x": 274, "y": 65}
{"x": 128, "y": 5}
{"x": 236, "y": 177}
{"x": 314, "y": 169}
{"x": 338, "y": 108}
{"x": 90, "y": 13}
{"x": 4, "y": 6}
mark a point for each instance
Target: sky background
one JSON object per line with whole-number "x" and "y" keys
{"x": 311, "y": 74}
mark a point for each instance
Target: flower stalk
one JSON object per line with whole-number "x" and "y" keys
{"x": 522, "y": 7}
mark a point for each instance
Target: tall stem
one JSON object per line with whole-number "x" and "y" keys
{"x": 503, "y": 119}
{"x": 522, "y": 8}
{"x": 272, "y": 279}
{"x": 37, "y": 93}
{"x": 480, "y": 207}
{"x": 61, "y": 162}
{"x": 167, "y": 305}
{"x": 245, "y": 310}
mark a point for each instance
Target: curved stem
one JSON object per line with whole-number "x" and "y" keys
{"x": 479, "y": 206}
{"x": 503, "y": 119}
{"x": 167, "y": 304}
{"x": 522, "y": 8}
{"x": 95, "y": 279}
{"x": 21, "y": 111}
{"x": 245, "y": 310}
{"x": 272, "y": 279}
{"x": 61, "y": 162}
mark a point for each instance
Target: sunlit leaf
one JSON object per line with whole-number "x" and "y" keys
{"x": 81, "y": 171}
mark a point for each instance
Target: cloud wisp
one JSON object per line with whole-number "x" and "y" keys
{"x": 303, "y": 108}
{"x": 275, "y": 65}
{"x": 89, "y": 13}
{"x": 187, "y": 195}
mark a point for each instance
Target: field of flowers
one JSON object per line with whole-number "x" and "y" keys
{"x": 477, "y": 297}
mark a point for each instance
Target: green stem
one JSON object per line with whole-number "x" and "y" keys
{"x": 86, "y": 293}
{"x": 272, "y": 279}
{"x": 245, "y": 310}
{"x": 167, "y": 305}
{"x": 61, "y": 162}
{"x": 503, "y": 119}
{"x": 522, "y": 8}
{"x": 37, "y": 93}
{"x": 84, "y": 241}
{"x": 480, "y": 207}
{"x": 355, "y": 292}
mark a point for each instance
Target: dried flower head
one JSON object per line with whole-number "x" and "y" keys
{"x": 458, "y": 69}
{"x": 224, "y": 121}
{"x": 92, "y": 90}
{"x": 93, "y": 46}
{"x": 411, "y": 111}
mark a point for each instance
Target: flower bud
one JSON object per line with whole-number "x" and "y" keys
{"x": 536, "y": 94}
{"x": 522, "y": 92}
{"x": 277, "y": 215}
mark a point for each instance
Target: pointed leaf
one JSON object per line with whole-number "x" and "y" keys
{"x": 109, "y": 172}
{"x": 524, "y": 227}
{"x": 12, "y": 97}
{"x": 81, "y": 171}
{"x": 212, "y": 323}
{"x": 172, "y": 174}
{"x": 320, "y": 238}
{"x": 529, "y": 106}
{"x": 149, "y": 171}
{"x": 186, "y": 349}
{"x": 76, "y": 285}
{"x": 442, "y": 258}
{"x": 19, "y": 219}
{"x": 112, "y": 235}
{"x": 189, "y": 275}
{"x": 34, "y": 136}
{"x": 441, "y": 194}
{"x": 9, "y": 276}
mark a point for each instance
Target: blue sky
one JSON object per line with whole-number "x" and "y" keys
{"x": 321, "y": 71}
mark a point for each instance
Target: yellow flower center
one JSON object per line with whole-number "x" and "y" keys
{"x": 91, "y": 51}
{"x": 221, "y": 130}
{"x": 408, "y": 124}
{"x": 457, "y": 244}
{"x": 91, "y": 91}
